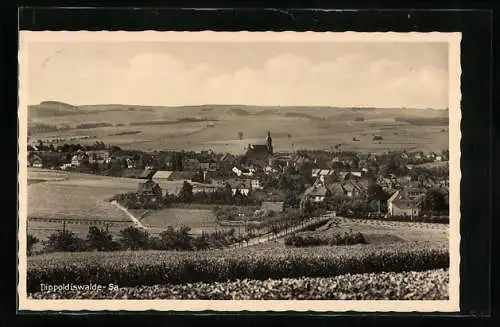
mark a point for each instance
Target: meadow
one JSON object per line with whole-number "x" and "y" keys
{"x": 74, "y": 197}
{"x": 199, "y": 220}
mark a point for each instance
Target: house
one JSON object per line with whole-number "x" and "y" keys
{"x": 205, "y": 188}
{"x": 190, "y": 164}
{"x": 335, "y": 188}
{"x": 412, "y": 193}
{"x": 78, "y": 159}
{"x": 227, "y": 159}
{"x": 438, "y": 158}
{"x": 315, "y": 193}
{"x": 166, "y": 175}
{"x": 317, "y": 173}
{"x": 205, "y": 166}
{"x": 399, "y": 205}
{"x": 35, "y": 161}
{"x": 147, "y": 174}
{"x": 277, "y": 206}
{"x": 355, "y": 174}
{"x": 130, "y": 163}
{"x": 270, "y": 170}
{"x": 256, "y": 184}
{"x": 244, "y": 186}
{"x": 65, "y": 166}
{"x": 354, "y": 188}
{"x": 149, "y": 188}
{"x": 242, "y": 171}
{"x": 98, "y": 156}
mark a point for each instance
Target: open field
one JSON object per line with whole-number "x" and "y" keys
{"x": 217, "y": 127}
{"x": 74, "y": 197}
{"x": 198, "y": 219}
{"x": 376, "y": 232}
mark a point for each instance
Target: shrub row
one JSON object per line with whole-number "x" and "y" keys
{"x": 129, "y": 269}
{"x": 336, "y": 239}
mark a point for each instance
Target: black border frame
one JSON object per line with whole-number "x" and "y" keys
{"x": 477, "y": 127}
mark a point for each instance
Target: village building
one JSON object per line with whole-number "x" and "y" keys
{"x": 35, "y": 161}
{"x": 205, "y": 188}
{"x": 98, "y": 156}
{"x": 244, "y": 186}
{"x": 149, "y": 188}
{"x": 78, "y": 159}
{"x": 260, "y": 153}
{"x": 172, "y": 181}
{"x": 401, "y": 205}
{"x": 315, "y": 194}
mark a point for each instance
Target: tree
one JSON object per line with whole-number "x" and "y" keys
{"x": 65, "y": 241}
{"x": 186, "y": 193}
{"x": 100, "y": 239}
{"x": 134, "y": 238}
{"x": 200, "y": 242}
{"x": 291, "y": 200}
{"x": 227, "y": 194}
{"x": 30, "y": 242}
{"x": 434, "y": 201}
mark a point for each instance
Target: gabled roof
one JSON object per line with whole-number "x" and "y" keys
{"x": 162, "y": 174}
{"x": 316, "y": 191}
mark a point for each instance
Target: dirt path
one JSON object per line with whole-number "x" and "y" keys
{"x": 136, "y": 222}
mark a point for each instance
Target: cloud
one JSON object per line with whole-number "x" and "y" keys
{"x": 354, "y": 79}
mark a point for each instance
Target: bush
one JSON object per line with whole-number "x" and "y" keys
{"x": 336, "y": 239}
{"x": 134, "y": 238}
{"x": 30, "y": 242}
{"x": 100, "y": 240}
{"x": 347, "y": 239}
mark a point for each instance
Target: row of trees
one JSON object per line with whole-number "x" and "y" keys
{"x": 132, "y": 238}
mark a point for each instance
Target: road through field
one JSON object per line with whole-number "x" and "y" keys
{"x": 131, "y": 216}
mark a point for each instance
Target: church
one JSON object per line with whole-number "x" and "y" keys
{"x": 260, "y": 152}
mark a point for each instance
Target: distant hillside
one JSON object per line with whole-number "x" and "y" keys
{"x": 49, "y": 109}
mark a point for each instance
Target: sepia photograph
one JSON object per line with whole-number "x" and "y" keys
{"x": 239, "y": 171}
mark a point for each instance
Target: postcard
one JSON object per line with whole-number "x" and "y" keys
{"x": 239, "y": 171}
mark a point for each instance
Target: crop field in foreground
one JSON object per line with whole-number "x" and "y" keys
{"x": 422, "y": 285}
{"x": 140, "y": 268}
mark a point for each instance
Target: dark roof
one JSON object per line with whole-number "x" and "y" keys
{"x": 147, "y": 174}
{"x": 405, "y": 204}
{"x": 150, "y": 187}
{"x": 258, "y": 151}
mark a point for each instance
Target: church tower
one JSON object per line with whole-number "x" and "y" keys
{"x": 269, "y": 143}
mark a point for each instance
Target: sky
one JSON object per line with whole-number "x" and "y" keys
{"x": 342, "y": 74}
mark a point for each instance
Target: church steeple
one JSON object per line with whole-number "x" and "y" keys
{"x": 269, "y": 143}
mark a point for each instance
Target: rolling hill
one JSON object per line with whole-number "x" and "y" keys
{"x": 218, "y": 126}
